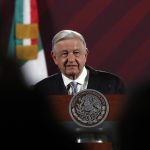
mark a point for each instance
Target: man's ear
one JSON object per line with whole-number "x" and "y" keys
{"x": 87, "y": 52}
{"x": 54, "y": 57}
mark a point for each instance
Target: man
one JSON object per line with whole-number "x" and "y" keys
{"x": 69, "y": 53}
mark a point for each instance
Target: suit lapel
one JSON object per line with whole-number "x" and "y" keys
{"x": 92, "y": 83}
{"x": 61, "y": 86}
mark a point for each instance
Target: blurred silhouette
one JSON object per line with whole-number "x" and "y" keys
{"x": 25, "y": 116}
{"x": 134, "y": 126}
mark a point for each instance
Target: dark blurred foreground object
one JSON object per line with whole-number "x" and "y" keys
{"x": 134, "y": 127}
{"x": 25, "y": 116}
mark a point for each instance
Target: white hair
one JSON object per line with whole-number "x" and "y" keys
{"x": 67, "y": 34}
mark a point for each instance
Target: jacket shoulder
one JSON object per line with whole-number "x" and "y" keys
{"x": 101, "y": 73}
{"x": 109, "y": 82}
{"x": 49, "y": 85}
{"x": 51, "y": 79}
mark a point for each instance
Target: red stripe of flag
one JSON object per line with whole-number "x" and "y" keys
{"x": 34, "y": 17}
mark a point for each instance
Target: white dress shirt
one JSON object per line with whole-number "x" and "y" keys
{"x": 82, "y": 81}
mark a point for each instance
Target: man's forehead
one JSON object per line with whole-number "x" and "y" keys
{"x": 69, "y": 44}
{"x": 69, "y": 41}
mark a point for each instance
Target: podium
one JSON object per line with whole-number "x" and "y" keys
{"x": 60, "y": 107}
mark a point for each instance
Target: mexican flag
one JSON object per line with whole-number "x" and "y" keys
{"x": 25, "y": 43}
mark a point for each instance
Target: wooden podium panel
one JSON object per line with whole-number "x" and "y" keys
{"x": 60, "y": 107}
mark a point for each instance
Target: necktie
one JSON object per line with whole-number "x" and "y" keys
{"x": 73, "y": 85}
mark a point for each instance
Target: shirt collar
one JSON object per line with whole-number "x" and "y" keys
{"x": 79, "y": 80}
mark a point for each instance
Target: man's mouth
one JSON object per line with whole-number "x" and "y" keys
{"x": 71, "y": 66}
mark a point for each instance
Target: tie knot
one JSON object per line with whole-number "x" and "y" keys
{"x": 73, "y": 83}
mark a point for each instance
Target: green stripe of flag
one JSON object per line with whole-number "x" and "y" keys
{"x": 19, "y": 16}
{"x": 19, "y": 11}
{"x": 12, "y": 43}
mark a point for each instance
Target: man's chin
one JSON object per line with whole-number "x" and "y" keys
{"x": 72, "y": 75}
{"x": 72, "y": 71}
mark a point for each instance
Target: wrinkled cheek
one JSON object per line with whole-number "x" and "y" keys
{"x": 82, "y": 61}
{"x": 63, "y": 64}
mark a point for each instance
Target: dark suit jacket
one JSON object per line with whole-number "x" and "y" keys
{"x": 101, "y": 81}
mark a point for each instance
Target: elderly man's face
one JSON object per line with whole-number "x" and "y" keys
{"x": 70, "y": 56}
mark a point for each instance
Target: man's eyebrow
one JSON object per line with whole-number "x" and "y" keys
{"x": 64, "y": 50}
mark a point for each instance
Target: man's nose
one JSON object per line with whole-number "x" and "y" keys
{"x": 71, "y": 57}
